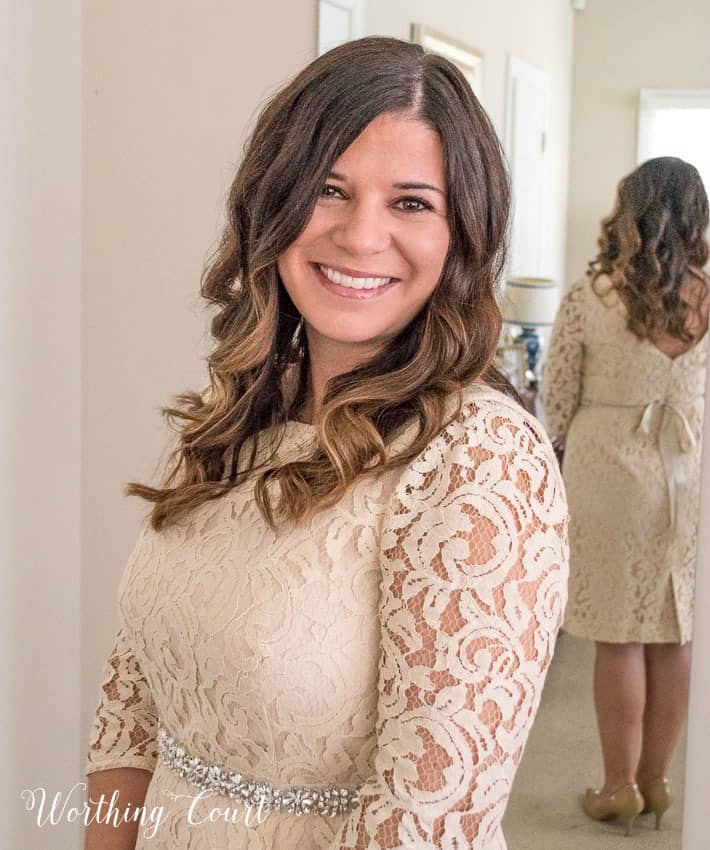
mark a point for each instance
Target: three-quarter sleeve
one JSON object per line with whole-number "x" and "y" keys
{"x": 124, "y": 730}
{"x": 561, "y": 383}
{"x": 474, "y": 559}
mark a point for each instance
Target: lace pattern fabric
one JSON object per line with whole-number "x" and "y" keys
{"x": 125, "y": 728}
{"x": 624, "y": 410}
{"x": 398, "y": 642}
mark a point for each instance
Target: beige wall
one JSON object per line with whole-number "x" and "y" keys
{"x": 169, "y": 90}
{"x": 40, "y": 376}
{"x": 541, "y": 34}
{"x": 618, "y": 49}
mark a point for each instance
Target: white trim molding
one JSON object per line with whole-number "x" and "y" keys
{"x": 339, "y": 21}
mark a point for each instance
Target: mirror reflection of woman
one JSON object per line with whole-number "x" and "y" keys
{"x": 351, "y": 581}
{"x": 623, "y": 392}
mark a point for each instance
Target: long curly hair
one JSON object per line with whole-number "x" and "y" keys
{"x": 258, "y": 335}
{"x": 653, "y": 247}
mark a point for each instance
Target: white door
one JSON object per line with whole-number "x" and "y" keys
{"x": 527, "y": 111}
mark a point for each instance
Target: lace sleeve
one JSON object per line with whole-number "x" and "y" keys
{"x": 562, "y": 368}
{"x": 474, "y": 560}
{"x": 125, "y": 726}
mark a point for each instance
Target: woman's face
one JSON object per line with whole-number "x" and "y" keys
{"x": 374, "y": 248}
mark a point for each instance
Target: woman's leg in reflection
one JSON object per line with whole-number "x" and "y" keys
{"x": 667, "y": 691}
{"x": 619, "y": 699}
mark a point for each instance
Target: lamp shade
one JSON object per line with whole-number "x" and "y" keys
{"x": 530, "y": 302}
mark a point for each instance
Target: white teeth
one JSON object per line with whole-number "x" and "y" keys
{"x": 354, "y": 282}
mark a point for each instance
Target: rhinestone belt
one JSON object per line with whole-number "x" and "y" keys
{"x": 329, "y": 801}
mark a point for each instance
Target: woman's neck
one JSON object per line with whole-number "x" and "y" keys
{"x": 326, "y": 360}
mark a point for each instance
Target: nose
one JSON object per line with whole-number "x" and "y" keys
{"x": 362, "y": 229}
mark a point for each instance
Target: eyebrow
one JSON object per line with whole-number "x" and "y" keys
{"x": 409, "y": 185}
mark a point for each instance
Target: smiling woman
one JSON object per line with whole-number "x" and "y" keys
{"x": 315, "y": 187}
{"x": 344, "y": 602}
{"x": 400, "y": 242}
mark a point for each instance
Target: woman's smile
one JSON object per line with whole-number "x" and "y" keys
{"x": 352, "y": 286}
{"x": 375, "y": 243}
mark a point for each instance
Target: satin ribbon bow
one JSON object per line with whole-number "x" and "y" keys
{"x": 675, "y": 439}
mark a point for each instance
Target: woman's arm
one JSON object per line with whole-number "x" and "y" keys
{"x": 561, "y": 383}
{"x": 123, "y": 749}
{"x": 474, "y": 560}
{"x": 131, "y": 784}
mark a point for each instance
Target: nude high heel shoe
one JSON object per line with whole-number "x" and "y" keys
{"x": 657, "y": 796}
{"x": 625, "y": 803}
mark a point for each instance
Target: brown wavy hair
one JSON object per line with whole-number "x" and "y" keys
{"x": 299, "y": 134}
{"x": 653, "y": 247}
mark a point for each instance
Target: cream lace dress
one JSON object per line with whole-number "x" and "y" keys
{"x": 399, "y": 641}
{"x": 632, "y": 420}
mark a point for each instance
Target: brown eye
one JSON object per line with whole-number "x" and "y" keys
{"x": 327, "y": 186}
{"x": 422, "y": 205}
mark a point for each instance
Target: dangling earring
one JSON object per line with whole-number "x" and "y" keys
{"x": 300, "y": 329}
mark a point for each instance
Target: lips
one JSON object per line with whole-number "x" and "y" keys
{"x": 349, "y": 292}
{"x": 354, "y": 273}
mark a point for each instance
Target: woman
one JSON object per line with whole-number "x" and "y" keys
{"x": 623, "y": 388}
{"x": 345, "y": 600}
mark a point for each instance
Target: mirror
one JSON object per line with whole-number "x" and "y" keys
{"x": 581, "y": 94}
{"x": 117, "y": 161}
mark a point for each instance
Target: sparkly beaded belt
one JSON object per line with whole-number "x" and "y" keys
{"x": 329, "y": 801}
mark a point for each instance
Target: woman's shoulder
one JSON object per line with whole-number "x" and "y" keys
{"x": 574, "y": 301}
{"x": 492, "y": 448}
{"x": 599, "y": 285}
{"x": 489, "y": 422}
{"x": 489, "y": 407}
